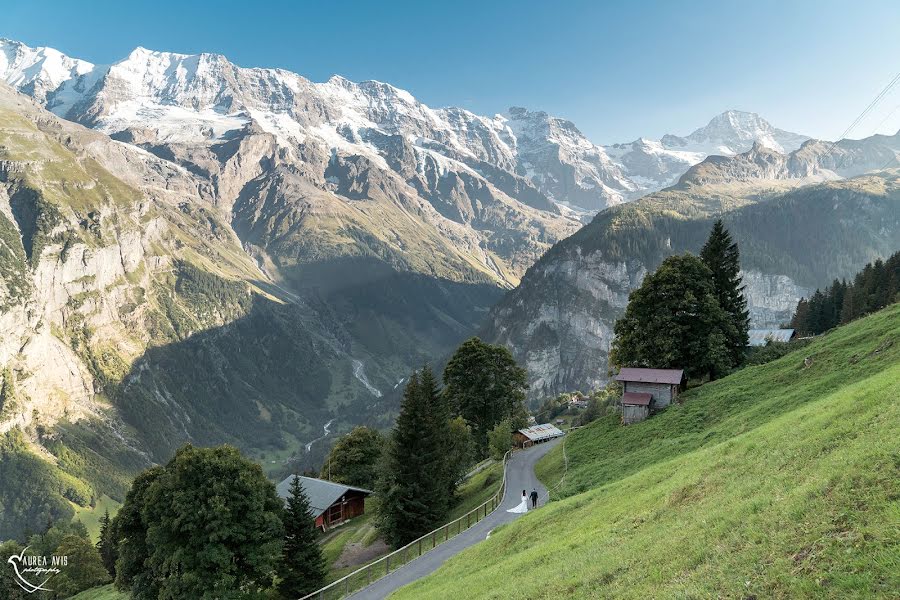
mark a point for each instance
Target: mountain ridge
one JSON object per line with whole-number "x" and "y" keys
{"x": 549, "y": 151}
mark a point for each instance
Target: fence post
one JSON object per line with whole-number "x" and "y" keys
{"x": 347, "y": 587}
{"x": 446, "y": 532}
{"x": 420, "y": 546}
{"x": 387, "y": 565}
{"x": 369, "y": 576}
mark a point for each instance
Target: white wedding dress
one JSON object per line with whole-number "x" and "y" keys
{"x": 521, "y": 508}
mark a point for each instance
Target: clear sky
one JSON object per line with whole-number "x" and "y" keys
{"x": 618, "y": 70}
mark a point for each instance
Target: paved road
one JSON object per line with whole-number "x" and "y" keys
{"x": 519, "y": 476}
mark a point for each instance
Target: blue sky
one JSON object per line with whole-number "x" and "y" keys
{"x": 618, "y": 71}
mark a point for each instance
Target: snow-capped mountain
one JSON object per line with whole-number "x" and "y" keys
{"x": 166, "y": 98}
{"x": 733, "y": 132}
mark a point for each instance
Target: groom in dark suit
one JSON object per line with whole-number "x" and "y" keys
{"x": 534, "y": 497}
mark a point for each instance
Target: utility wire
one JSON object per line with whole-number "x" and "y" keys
{"x": 868, "y": 109}
{"x": 862, "y": 116}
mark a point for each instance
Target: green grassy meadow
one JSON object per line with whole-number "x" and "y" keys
{"x": 91, "y": 516}
{"x": 779, "y": 481}
{"x": 106, "y": 592}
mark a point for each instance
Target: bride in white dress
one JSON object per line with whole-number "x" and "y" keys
{"x": 523, "y": 505}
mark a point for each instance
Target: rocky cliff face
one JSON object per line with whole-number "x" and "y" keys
{"x": 128, "y": 311}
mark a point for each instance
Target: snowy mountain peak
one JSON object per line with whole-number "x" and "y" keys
{"x": 735, "y": 131}
{"x": 186, "y": 98}
{"x": 37, "y": 71}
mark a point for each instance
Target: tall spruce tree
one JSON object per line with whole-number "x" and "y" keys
{"x": 302, "y": 568}
{"x": 437, "y": 406}
{"x": 721, "y": 255}
{"x": 106, "y": 545}
{"x": 409, "y": 490}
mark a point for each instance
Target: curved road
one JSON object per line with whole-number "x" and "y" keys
{"x": 519, "y": 476}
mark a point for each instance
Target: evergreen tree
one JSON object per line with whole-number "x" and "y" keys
{"x": 674, "y": 321}
{"x": 438, "y": 412}
{"x": 801, "y": 316}
{"x": 873, "y": 288}
{"x": 106, "y": 545}
{"x": 302, "y": 569}
{"x": 720, "y": 254}
{"x": 407, "y": 484}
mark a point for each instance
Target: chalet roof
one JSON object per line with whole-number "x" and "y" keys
{"x": 321, "y": 493}
{"x": 636, "y": 399}
{"x": 539, "y": 433}
{"x": 670, "y": 376}
{"x": 759, "y": 337}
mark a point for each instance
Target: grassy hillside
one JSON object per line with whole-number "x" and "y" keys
{"x": 780, "y": 481}
{"x": 107, "y": 592}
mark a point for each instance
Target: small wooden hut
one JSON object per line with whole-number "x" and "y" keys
{"x": 648, "y": 390}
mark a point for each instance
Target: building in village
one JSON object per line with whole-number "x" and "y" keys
{"x": 578, "y": 402}
{"x": 760, "y": 337}
{"x": 648, "y": 390}
{"x": 331, "y": 503}
{"x": 536, "y": 434}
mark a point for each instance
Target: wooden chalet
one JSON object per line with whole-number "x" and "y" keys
{"x": 331, "y": 503}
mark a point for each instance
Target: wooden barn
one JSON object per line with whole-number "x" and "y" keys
{"x": 536, "y": 434}
{"x": 635, "y": 407}
{"x": 647, "y": 390}
{"x": 331, "y": 503}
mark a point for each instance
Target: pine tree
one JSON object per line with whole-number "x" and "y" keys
{"x": 873, "y": 288}
{"x": 106, "y": 545}
{"x": 801, "y": 316}
{"x": 302, "y": 568}
{"x": 407, "y": 483}
{"x": 722, "y": 257}
{"x": 438, "y": 409}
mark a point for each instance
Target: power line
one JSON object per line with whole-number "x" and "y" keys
{"x": 862, "y": 116}
{"x": 869, "y": 108}
{"x": 885, "y": 120}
